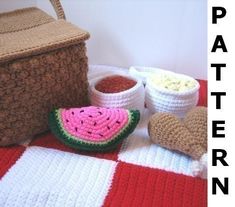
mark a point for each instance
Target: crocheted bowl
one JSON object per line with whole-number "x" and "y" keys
{"x": 159, "y": 99}
{"x": 132, "y": 98}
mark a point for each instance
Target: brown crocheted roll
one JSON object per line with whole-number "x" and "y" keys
{"x": 168, "y": 131}
{"x": 196, "y": 122}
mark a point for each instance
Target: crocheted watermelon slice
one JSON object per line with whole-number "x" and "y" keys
{"x": 93, "y": 128}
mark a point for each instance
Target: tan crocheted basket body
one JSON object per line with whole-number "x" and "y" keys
{"x": 43, "y": 65}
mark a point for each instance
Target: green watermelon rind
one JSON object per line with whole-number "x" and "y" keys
{"x": 57, "y": 129}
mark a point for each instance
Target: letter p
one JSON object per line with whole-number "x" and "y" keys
{"x": 218, "y": 13}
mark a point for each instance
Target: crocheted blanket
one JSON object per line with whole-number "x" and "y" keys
{"x": 44, "y": 172}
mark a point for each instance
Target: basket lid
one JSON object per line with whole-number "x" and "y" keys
{"x": 31, "y": 31}
{"x": 22, "y": 19}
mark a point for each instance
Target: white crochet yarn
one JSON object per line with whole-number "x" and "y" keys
{"x": 199, "y": 167}
{"x": 132, "y": 98}
{"x": 126, "y": 101}
{"x": 45, "y": 177}
{"x": 162, "y": 103}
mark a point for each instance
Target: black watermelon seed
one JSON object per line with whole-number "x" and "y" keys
{"x": 100, "y": 112}
{"x": 90, "y": 116}
{"x": 101, "y": 135}
{"x": 107, "y": 118}
{"x": 89, "y": 132}
{"x": 95, "y": 123}
{"x": 108, "y": 127}
{"x": 118, "y": 122}
{"x": 67, "y": 120}
{"x": 72, "y": 112}
{"x": 81, "y": 121}
{"x": 76, "y": 129}
{"x": 81, "y": 111}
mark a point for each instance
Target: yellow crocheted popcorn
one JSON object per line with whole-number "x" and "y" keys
{"x": 172, "y": 82}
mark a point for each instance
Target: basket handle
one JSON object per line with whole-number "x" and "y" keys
{"x": 58, "y": 9}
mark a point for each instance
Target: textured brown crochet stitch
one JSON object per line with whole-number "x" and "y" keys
{"x": 196, "y": 122}
{"x": 168, "y": 131}
{"x": 34, "y": 86}
{"x": 43, "y": 65}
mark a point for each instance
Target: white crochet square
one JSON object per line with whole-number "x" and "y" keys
{"x": 138, "y": 149}
{"x": 48, "y": 177}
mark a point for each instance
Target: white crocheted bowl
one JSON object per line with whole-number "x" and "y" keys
{"x": 159, "y": 99}
{"x": 132, "y": 98}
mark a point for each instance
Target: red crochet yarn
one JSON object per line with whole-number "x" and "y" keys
{"x": 142, "y": 186}
{"x": 115, "y": 84}
{"x": 8, "y": 157}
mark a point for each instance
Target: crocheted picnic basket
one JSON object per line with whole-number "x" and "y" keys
{"x": 43, "y": 65}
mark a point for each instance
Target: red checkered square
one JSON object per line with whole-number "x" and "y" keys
{"x": 202, "y": 93}
{"x": 142, "y": 186}
{"x": 8, "y": 157}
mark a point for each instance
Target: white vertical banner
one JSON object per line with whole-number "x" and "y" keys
{"x": 223, "y": 194}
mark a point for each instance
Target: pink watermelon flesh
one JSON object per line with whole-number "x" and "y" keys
{"x": 92, "y": 123}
